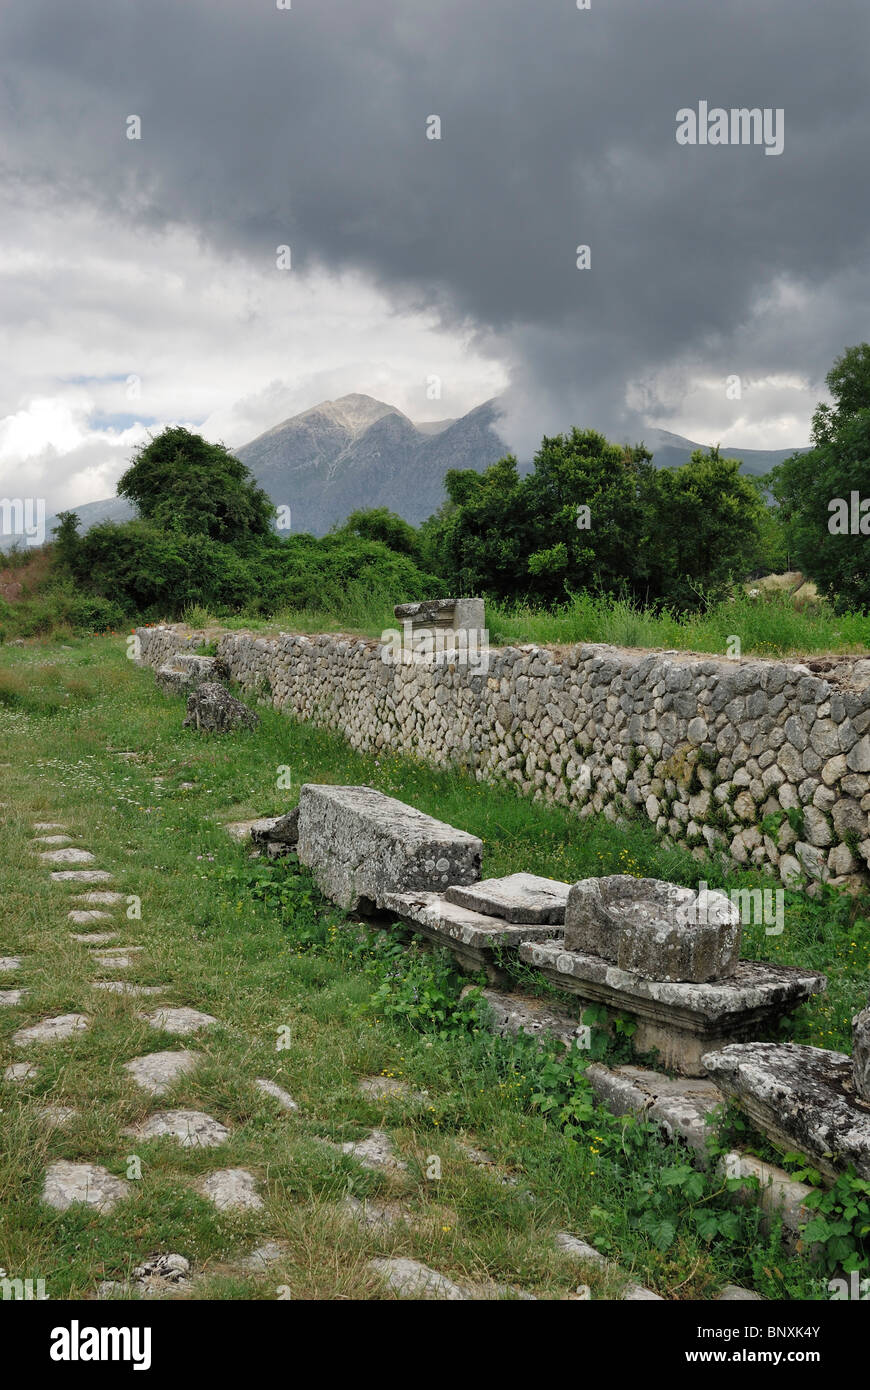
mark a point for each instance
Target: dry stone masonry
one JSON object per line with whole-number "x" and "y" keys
{"x": 766, "y": 762}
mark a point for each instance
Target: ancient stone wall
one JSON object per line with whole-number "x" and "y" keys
{"x": 766, "y": 761}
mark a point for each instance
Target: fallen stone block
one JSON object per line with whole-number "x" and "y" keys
{"x": 212, "y": 709}
{"x": 654, "y": 929}
{"x": 184, "y": 672}
{"x": 522, "y": 898}
{"x": 512, "y": 1014}
{"x": 361, "y": 845}
{"x": 803, "y": 1098}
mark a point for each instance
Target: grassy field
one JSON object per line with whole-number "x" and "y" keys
{"x": 304, "y": 998}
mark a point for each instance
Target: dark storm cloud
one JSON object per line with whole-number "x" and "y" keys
{"x": 307, "y": 126}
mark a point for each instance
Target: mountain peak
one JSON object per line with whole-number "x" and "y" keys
{"x": 354, "y": 412}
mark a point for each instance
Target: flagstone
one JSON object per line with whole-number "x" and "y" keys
{"x": 178, "y": 1021}
{"x": 156, "y": 1071}
{"x": 9, "y": 963}
{"x": 232, "y": 1189}
{"x": 20, "y": 1071}
{"x": 80, "y": 876}
{"x": 94, "y": 938}
{"x": 119, "y": 960}
{"x": 67, "y": 856}
{"x": 192, "y": 1128}
{"x": 49, "y": 825}
{"x": 411, "y": 1279}
{"x": 121, "y": 987}
{"x": 282, "y": 1097}
{"x": 10, "y": 997}
{"x": 57, "y": 1116}
{"x": 51, "y": 1029}
{"x": 67, "y": 1183}
{"x": 80, "y": 916}
{"x": 100, "y": 896}
{"x": 269, "y": 1253}
{"x": 375, "y": 1151}
{"x": 52, "y": 839}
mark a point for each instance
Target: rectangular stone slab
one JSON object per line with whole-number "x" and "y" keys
{"x": 515, "y": 898}
{"x": 682, "y": 1021}
{"x": 474, "y": 938}
{"x": 361, "y": 845}
{"x": 802, "y": 1097}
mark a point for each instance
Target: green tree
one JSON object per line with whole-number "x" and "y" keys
{"x": 180, "y": 481}
{"x": 67, "y": 541}
{"x": 380, "y": 524}
{"x": 815, "y": 489}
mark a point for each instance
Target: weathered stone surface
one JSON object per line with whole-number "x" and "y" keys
{"x": 580, "y": 1250}
{"x": 191, "y": 1128}
{"x": 654, "y": 929}
{"x": 179, "y": 1022}
{"x": 157, "y": 1071}
{"x": 232, "y": 1189}
{"x": 93, "y": 938}
{"x": 9, "y": 963}
{"x": 100, "y": 896}
{"x": 49, "y": 825}
{"x": 158, "y": 1275}
{"x": 81, "y": 876}
{"x": 212, "y": 709}
{"x": 263, "y": 1256}
{"x": 10, "y": 997}
{"x": 121, "y": 987}
{"x": 282, "y": 830}
{"x": 284, "y": 1099}
{"x": 66, "y": 856}
{"x": 67, "y": 1183}
{"x": 81, "y": 916}
{"x": 411, "y": 1279}
{"x": 861, "y": 1053}
{"x": 184, "y": 672}
{"x": 516, "y": 898}
{"x": 680, "y": 1106}
{"x": 680, "y": 1020}
{"x": 20, "y": 1071}
{"x": 382, "y": 1215}
{"x": 52, "y": 840}
{"x": 511, "y": 1014}
{"x": 50, "y": 1029}
{"x": 116, "y": 960}
{"x": 804, "y": 1098}
{"x": 361, "y": 845}
{"x": 733, "y": 1293}
{"x": 57, "y": 1116}
{"x": 375, "y": 1151}
{"x": 476, "y": 940}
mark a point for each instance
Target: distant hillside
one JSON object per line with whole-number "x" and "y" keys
{"x": 360, "y": 452}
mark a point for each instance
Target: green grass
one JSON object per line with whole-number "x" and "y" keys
{"x": 769, "y": 625}
{"x": 262, "y": 960}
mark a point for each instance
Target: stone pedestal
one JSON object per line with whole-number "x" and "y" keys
{"x": 682, "y": 1021}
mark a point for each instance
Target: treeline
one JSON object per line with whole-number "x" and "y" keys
{"x": 590, "y": 516}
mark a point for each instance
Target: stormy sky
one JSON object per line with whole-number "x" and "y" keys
{"x": 139, "y": 277}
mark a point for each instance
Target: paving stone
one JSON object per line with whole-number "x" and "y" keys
{"x": 361, "y": 844}
{"x": 93, "y": 938}
{"x": 156, "y": 1071}
{"x": 527, "y": 898}
{"x": 389, "y": 1088}
{"x": 9, "y": 963}
{"x": 179, "y": 1022}
{"x": 9, "y": 997}
{"x": 636, "y": 1293}
{"x": 269, "y": 1253}
{"x": 375, "y": 1151}
{"x": 67, "y": 856}
{"x": 52, "y": 839}
{"x": 120, "y": 960}
{"x": 375, "y": 1214}
{"x": 67, "y": 1183}
{"x": 282, "y": 1097}
{"x": 121, "y": 987}
{"x": 20, "y": 1071}
{"x": 57, "y": 1116}
{"x": 232, "y": 1189}
{"x": 49, "y": 825}
{"x": 81, "y": 916}
{"x": 733, "y": 1293}
{"x": 411, "y": 1279}
{"x": 51, "y": 1029}
{"x": 192, "y": 1128}
{"x": 81, "y": 876}
{"x": 572, "y": 1245}
{"x": 100, "y": 896}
